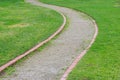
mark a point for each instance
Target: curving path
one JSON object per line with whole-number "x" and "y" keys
{"x": 52, "y": 61}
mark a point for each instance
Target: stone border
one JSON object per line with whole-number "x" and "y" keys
{"x": 79, "y": 57}
{"x": 35, "y": 47}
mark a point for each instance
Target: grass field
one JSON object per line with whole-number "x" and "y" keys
{"x": 22, "y": 26}
{"x": 102, "y": 62}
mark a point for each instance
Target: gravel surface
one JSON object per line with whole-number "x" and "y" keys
{"x": 52, "y": 61}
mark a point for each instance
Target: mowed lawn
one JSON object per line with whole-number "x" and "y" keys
{"x": 102, "y": 62}
{"x": 22, "y": 26}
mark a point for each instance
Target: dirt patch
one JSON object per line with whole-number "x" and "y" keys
{"x": 1, "y": 8}
{"x": 20, "y": 25}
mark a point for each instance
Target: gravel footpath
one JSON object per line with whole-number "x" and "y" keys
{"x": 52, "y": 61}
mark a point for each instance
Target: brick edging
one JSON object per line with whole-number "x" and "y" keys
{"x": 35, "y": 47}
{"x": 78, "y": 58}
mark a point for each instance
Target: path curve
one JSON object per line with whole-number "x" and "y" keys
{"x": 51, "y": 62}
{"x": 3, "y": 67}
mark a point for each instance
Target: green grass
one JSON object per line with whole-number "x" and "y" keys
{"x": 102, "y": 62}
{"x": 22, "y": 26}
